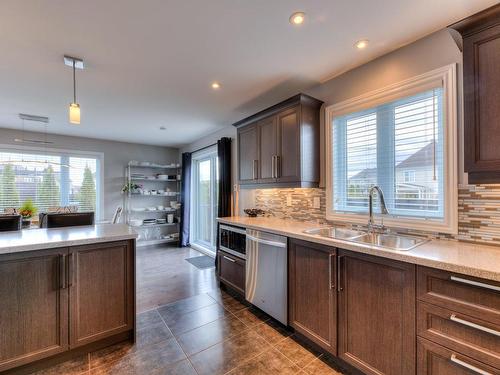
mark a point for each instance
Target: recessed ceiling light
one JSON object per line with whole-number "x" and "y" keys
{"x": 216, "y": 85}
{"x": 297, "y": 18}
{"x": 361, "y": 44}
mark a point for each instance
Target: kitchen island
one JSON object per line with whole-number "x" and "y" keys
{"x": 64, "y": 292}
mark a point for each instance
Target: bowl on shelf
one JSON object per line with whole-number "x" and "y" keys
{"x": 138, "y": 209}
{"x": 135, "y": 222}
{"x": 151, "y": 208}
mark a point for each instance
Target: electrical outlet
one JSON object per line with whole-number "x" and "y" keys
{"x": 316, "y": 202}
{"x": 289, "y": 200}
{"x": 235, "y": 187}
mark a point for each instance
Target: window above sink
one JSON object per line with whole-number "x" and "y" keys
{"x": 403, "y": 139}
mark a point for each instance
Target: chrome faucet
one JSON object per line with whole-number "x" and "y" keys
{"x": 383, "y": 209}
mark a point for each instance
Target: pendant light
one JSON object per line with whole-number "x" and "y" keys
{"x": 74, "y": 107}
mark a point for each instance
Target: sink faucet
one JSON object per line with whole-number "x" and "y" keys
{"x": 383, "y": 208}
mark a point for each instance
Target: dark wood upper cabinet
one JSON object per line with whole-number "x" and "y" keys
{"x": 247, "y": 154}
{"x": 481, "y": 60}
{"x": 101, "y": 291}
{"x": 267, "y": 136}
{"x": 376, "y": 317}
{"x": 34, "y": 306}
{"x": 312, "y": 294}
{"x": 279, "y": 146}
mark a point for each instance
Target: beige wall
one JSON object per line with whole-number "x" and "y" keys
{"x": 432, "y": 52}
{"x": 116, "y": 157}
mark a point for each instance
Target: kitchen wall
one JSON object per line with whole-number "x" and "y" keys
{"x": 116, "y": 157}
{"x": 479, "y": 205}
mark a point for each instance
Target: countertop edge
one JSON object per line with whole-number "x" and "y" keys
{"x": 404, "y": 256}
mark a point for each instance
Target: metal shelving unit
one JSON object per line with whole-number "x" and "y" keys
{"x": 137, "y": 202}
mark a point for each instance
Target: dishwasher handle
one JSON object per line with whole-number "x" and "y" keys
{"x": 266, "y": 242}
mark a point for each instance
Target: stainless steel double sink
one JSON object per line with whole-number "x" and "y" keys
{"x": 383, "y": 240}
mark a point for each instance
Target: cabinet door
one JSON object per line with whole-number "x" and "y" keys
{"x": 101, "y": 291}
{"x": 313, "y": 304}
{"x": 481, "y": 109}
{"x": 267, "y": 136}
{"x": 376, "y": 314}
{"x": 34, "y": 306}
{"x": 247, "y": 155}
{"x": 435, "y": 359}
{"x": 288, "y": 162}
{"x": 232, "y": 271}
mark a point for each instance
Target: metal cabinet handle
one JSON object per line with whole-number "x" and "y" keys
{"x": 339, "y": 271}
{"x": 229, "y": 259}
{"x": 278, "y": 166}
{"x": 454, "y": 318}
{"x": 454, "y": 359}
{"x": 330, "y": 271}
{"x": 254, "y": 170}
{"x": 475, "y": 283}
{"x": 70, "y": 270}
{"x": 62, "y": 271}
{"x": 273, "y": 165}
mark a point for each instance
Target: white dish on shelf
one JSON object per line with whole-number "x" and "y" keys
{"x": 144, "y": 163}
{"x": 135, "y": 222}
{"x": 139, "y": 209}
{"x": 151, "y": 208}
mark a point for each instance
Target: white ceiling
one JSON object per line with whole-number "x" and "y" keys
{"x": 150, "y": 63}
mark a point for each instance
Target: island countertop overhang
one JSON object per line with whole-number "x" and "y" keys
{"x": 38, "y": 239}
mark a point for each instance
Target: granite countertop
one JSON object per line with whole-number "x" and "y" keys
{"x": 462, "y": 257}
{"x": 37, "y": 239}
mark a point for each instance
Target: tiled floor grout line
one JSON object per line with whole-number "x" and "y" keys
{"x": 180, "y": 346}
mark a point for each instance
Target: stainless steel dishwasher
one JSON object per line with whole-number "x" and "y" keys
{"x": 266, "y": 273}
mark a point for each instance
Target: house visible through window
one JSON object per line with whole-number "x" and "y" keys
{"x": 398, "y": 143}
{"x": 49, "y": 180}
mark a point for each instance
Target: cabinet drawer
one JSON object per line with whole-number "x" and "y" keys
{"x": 470, "y": 336}
{"x": 232, "y": 271}
{"x": 435, "y": 359}
{"x": 464, "y": 294}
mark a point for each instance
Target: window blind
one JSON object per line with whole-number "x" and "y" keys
{"x": 396, "y": 145}
{"x": 49, "y": 180}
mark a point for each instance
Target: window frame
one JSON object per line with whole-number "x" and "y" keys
{"x": 99, "y": 212}
{"x": 445, "y": 77}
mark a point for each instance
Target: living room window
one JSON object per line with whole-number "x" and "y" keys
{"x": 50, "y": 179}
{"x": 403, "y": 139}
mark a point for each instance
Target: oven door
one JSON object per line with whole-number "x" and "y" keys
{"x": 232, "y": 240}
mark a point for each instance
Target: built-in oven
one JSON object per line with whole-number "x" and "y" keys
{"x": 232, "y": 240}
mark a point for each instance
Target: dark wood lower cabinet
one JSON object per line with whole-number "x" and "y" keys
{"x": 376, "y": 318}
{"x": 313, "y": 299}
{"x": 33, "y": 306}
{"x": 435, "y": 359}
{"x": 231, "y": 270}
{"x": 101, "y": 300}
{"x": 53, "y": 301}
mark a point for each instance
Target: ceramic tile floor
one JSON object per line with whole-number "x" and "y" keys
{"x": 205, "y": 334}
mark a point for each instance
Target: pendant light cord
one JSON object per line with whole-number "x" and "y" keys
{"x": 74, "y": 82}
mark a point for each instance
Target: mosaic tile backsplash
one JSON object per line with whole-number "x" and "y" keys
{"x": 478, "y": 209}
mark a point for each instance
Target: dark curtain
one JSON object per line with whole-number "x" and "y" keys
{"x": 185, "y": 198}
{"x": 225, "y": 183}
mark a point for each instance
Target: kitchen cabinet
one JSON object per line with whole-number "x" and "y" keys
{"x": 247, "y": 154}
{"x": 437, "y": 360}
{"x": 57, "y": 300}
{"x": 101, "y": 291}
{"x": 231, "y": 270}
{"x": 312, "y": 293}
{"x": 376, "y": 314}
{"x": 279, "y": 146}
{"x": 460, "y": 317}
{"x": 481, "y": 61}
{"x": 34, "y": 312}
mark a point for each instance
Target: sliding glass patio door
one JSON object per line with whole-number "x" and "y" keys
{"x": 204, "y": 199}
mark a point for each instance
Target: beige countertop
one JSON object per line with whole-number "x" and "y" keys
{"x": 462, "y": 257}
{"x": 37, "y": 239}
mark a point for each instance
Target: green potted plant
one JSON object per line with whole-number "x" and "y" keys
{"x": 27, "y": 211}
{"x": 130, "y": 186}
